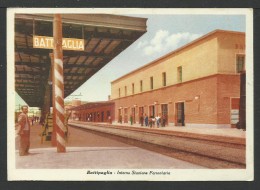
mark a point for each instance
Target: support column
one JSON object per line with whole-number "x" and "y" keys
{"x": 53, "y": 136}
{"x": 43, "y": 112}
{"x": 46, "y": 105}
{"x": 58, "y": 85}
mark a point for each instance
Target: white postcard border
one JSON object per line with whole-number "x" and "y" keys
{"x": 176, "y": 174}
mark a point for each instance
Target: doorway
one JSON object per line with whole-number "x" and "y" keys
{"x": 120, "y": 116}
{"x": 125, "y": 115}
{"x": 94, "y": 117}
{"x": 133, "y": 114}
{"x": 102, "y": 116}
{"x": 151, "y": 111}
{"x": 141, "y": 113}
{"x": 180, "y": 116}
{"x": 164, "y": 108}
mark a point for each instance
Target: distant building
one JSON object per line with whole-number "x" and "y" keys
{"x": 195, "y": 85}
{"x": 102, "y": 111}
{"x": 68, "y": 105}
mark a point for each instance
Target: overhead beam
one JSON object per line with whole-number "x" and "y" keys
{"x": 70, "y": 66}
{"x": 35, "y": 51}
{"x": 76, "y": 74}
{"x": 27, "y": 87}
{"x": 92, "y": 20}
{"x": 33, "y": 64}
{"x": 46, "y": 64}
{"x": 31, "y": 73}
{"x": 108, "y": 36}
{"x": 27, "y": 83}
{"x": 29, "y": 78}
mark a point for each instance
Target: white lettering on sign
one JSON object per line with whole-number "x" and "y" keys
{"x": 46, "y": 42}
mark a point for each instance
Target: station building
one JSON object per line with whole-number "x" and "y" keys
{"x": 102, "y": 111}
{"x": 195, "y": 85}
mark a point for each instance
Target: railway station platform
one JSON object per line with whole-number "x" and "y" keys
{"x": 206, "y": 133}
{"x": 219, "y": 148}
{"x": 90, "y": 151}
{"x": 228, "y": 132}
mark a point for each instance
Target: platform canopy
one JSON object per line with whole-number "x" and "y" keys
{"x": 105, "y": 36}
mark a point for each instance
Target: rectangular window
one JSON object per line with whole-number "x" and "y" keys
{"x": 179, "y": 74}
{"x": 151, "y": 83}
{"x": 240, "y": 64}
{"x": 125, "y": 91}
{"x": 119, "y": 93}
{"x": 133, "y": 88}
{"x": 141, "y": 86}
{"x": 164, "y": 78}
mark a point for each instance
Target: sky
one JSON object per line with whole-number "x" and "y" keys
{"x": 165, "y": 33}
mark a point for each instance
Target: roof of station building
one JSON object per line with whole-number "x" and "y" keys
{"x": 105, "y": 36}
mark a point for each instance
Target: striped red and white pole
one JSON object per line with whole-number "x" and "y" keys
{"x": 58, "y": 104}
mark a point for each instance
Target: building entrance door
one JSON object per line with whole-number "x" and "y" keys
{"x": 151, "y": 111}
{"x": 120, "y": 116}
{"x": 133, "y": 114}
{"x": 141, "y": 113}
{"x": 94, "y": 116}
{"x": 102, "y": 116}
{"x": 125, "y": 116}
{"x": 164, "y": 116}
{"x": 180, "y": 116}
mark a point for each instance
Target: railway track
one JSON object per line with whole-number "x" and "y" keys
{"x": 205, "y": 150}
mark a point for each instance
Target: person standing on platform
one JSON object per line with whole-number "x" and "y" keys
{"x": 151, "y": 121}
{"x": 32, "y": 119}
{"x": 120, "y": 119}
{"x": 109, "y": 120}
{"x": 163, "y": 120}
{"x": 142, "y": 119}
{"x": 24, "y": 132}
{"x": 41, "y": 120}
{"x": 146, "y": 120}
{"x": 131, "y": 119}
{"x": 158, "y": 121}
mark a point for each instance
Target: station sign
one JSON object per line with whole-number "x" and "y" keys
{"x": 46, "y": 42}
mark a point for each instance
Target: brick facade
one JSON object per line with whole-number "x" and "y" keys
{"x": 206, "y": 101}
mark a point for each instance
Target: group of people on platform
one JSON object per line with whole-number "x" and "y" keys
{"x": 144, "y": 120}
{"x": 35, "y": 119}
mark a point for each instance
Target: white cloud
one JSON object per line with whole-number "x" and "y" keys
{"x": 163, "y": 41}
{"x": 141, "y": 44}
{"x": 159, "y": 36}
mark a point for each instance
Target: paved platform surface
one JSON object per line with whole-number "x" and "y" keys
{"x": 211, "y": 148}
{"x": 99, "y": 149}
{"x": 99, "y": 157}
{"x": 228, "y": 132}
{"x": 224, "y": 135}
{"x": 89, "y": 150}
